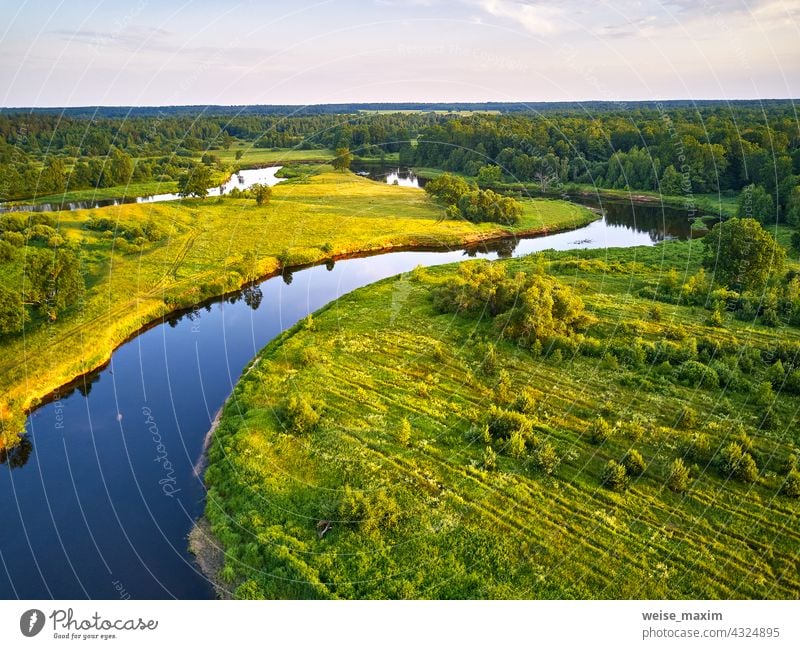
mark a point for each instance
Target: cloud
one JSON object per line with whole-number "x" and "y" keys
{"x": 633, "y": 18}
{"x": 541, "y": 18}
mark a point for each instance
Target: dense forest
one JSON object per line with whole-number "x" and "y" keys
{"x": 673, "y": 148}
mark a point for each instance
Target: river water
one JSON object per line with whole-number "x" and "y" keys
{"x": 103, "y": 491}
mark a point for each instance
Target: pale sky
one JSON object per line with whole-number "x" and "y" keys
{"x": 143, "y": 52}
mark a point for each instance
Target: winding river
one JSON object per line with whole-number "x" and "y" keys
{"x": 98, "y": 500}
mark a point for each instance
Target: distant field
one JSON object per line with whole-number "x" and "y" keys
{"x": 424, "y": 517}
{"x": 254, "y": 156}
{"x": 315, "y": 216}
{"x": 463, "y": 113}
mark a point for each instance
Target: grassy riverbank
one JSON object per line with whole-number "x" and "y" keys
{"x": 214, "y": 246}
{"x": 715, "y": 203}
{"x": 396, "y": 468}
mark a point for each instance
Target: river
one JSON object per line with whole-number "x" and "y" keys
{"x": 102, "y": 493}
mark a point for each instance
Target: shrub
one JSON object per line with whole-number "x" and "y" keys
{"x": 696, "y": 374}
{"x": 489, "y": 362}
{"x": 404, "y": 434}
{"x": 678, "y": 478}
{"x": 633, "y": 427}
{"x": 715, "y": 319}
{"x": 545, "y": 458}
{"x": 599, "y": 431}
{"x": 503, "y": 388}
{"x": 614, "y": 476}
{"x": 687, "y": 418}
{"x": 502, "y": 423}
{"x": 734, "y": 462}
{"x": 791, "y": 484}
{"x": 249, "y": 590}
{"x": 525, "y": 402}
{"x": 516, "y": 444}
{"x": 697, "y": 448}
{"x": 489, "y": 459}
{"x": 634, "y": 463}
{"x": 301, "y": 415}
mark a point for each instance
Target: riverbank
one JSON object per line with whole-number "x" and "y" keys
{"x": 394, "y": 463}
{"x": 214, "y": 248}
{"x": 713, "y": 204}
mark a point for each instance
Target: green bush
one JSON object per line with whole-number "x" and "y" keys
{"x": 614, "y": 476}
{"x": 404, "y": 433}
{"x": 791, "y": 484}
{"x": 678, "y": 477}
{"x": 634, "y": 463}
{"x": 545, "y": 458}
{"x": 687, "y": 418}
{"x": 695, "y": 375}
{"x": 489, "y": 459}
{"x": 599, "y": 431}
{"x": 301, "y": 415}
{"x": 734, "y": 462}
{"x": 503, "y": 423}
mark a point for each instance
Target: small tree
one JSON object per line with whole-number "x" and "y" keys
{"x": 791, "y": 484}
{"x": 678, "y": 478}
{"x": 634, "y": 462}
{"x": 262, "y": 193}
{"x": 516, "y": 444}
{"x": 489, "y": 459}
{"x": 734, "y": 462}
{"x": 687, "y": 418}
{"x": 504, "y": 387}
{"x": 742, "y": 254}
{"x": 404, "y": 434}
{"x": 614, "y": 476}
{"x": 239, "y": 154}
{"x": 599, "y": 431}
{"x": 489, "y": 174}
{"x": 195, "y": 182}
{"x": 343, "y": 159}
{"x": 545, "y": 458}
{"x": 301, "y": 415}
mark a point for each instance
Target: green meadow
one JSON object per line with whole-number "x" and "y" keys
{"x": 212, "y": 246}
{"x": 359, "y": 455}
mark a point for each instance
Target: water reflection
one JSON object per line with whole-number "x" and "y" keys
{"x": 390, "y": 175}
{"x": 18, "y": 456}
{"x": 658, "y": 221}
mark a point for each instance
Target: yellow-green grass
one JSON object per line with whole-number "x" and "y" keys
{"x": 441, "y": 526}
{"x": 310, "y": 219}
{"x": 252, "y": 156}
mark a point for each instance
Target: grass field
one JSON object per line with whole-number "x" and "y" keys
{"x": 423, "y": 518}
{"x": 315, "y": 216}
